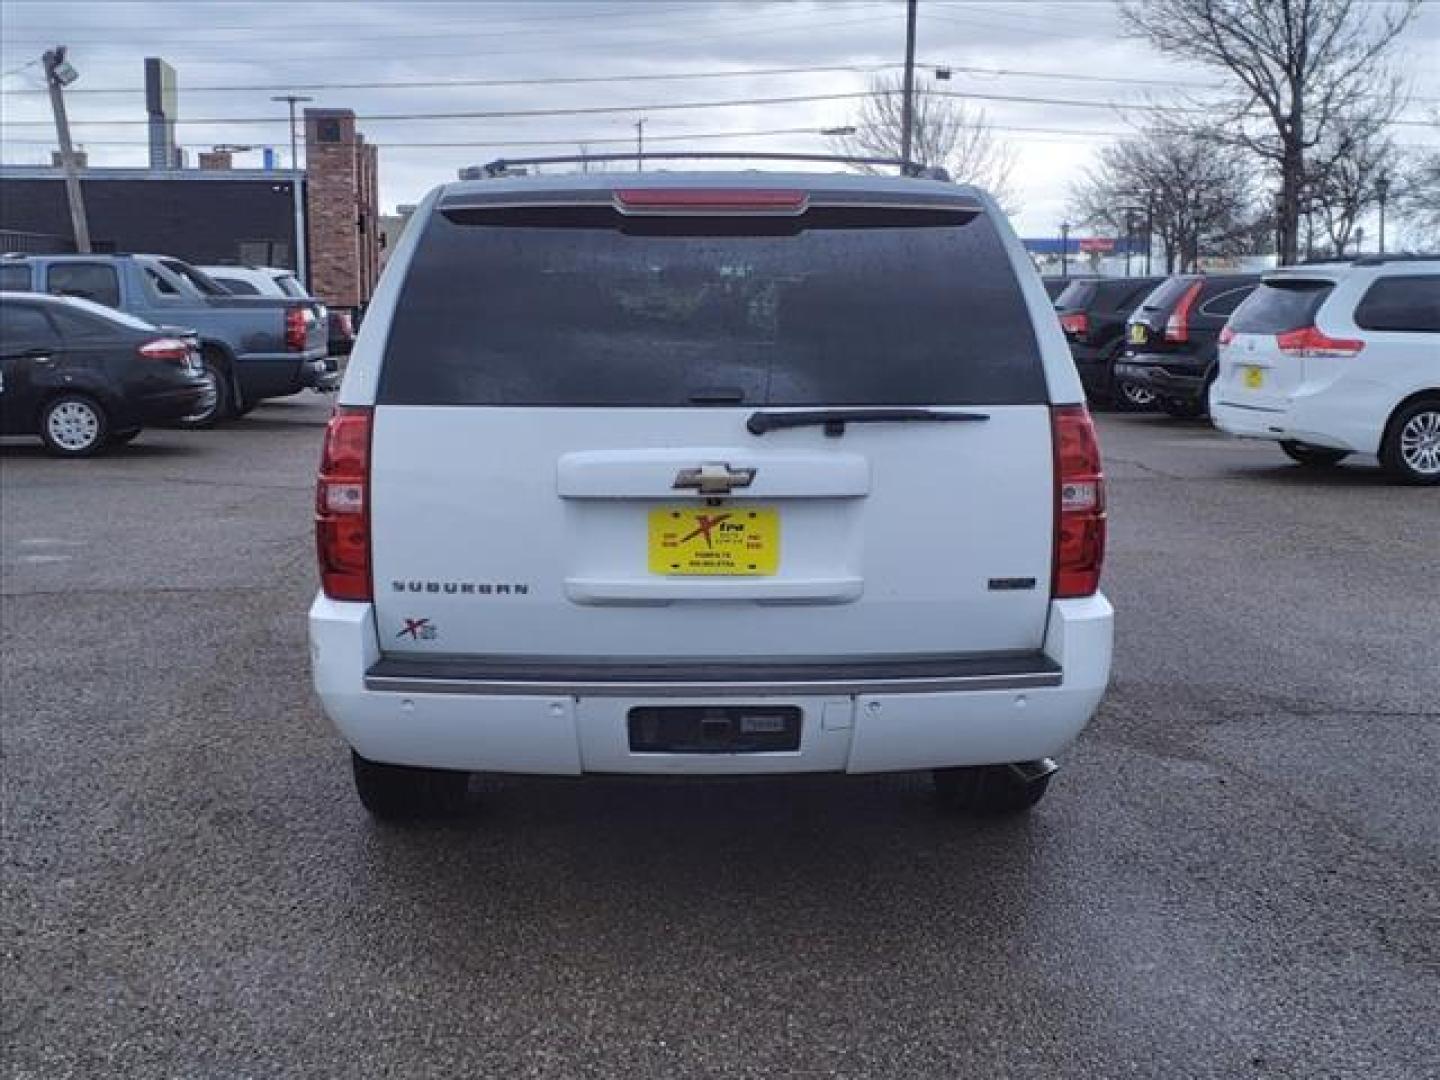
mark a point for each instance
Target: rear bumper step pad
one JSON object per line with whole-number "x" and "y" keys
{"x": 590, "y": 677}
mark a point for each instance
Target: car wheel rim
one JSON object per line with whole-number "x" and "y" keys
{"x": 1137, "y": 395}
{"x": 73, "y": 425}
{"x": 1420, "y": 443}
{"x": 212, "y": 399}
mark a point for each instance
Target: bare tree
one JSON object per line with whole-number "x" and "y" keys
{"x": 1418, "y": 188}
{"x": 1301, "y": 67}
{"x": 1345, "y": 177}
{"x": 945, "y": 131}
{"x": 1199, "y": 196}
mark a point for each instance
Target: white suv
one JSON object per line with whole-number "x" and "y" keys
{"x": 1338, "y": 359}
{"x": 709, "y": 473}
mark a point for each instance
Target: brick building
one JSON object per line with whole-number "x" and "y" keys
{"x": 343, "y": 238}
{"x": 219, "y": 214}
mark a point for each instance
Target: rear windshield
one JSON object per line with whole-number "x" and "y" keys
{"x": 290, "y": 287}
{"x": 197, "y": 280}
{"x": 667, "y": 312}
{"x": 1281, "y": 305}
{"x": 1166, "y": 294}
{"x": 1077, "y": 294}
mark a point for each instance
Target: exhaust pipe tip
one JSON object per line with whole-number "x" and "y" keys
{"x": 1033, "y": 772}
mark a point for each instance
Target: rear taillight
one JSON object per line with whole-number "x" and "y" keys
{"x": 167, "y": 350}
{"x": 1226, "y": 335}
{"x": 1309, "y": 341}
{"x": 1079, "y": 504}
{"x": 342, "y": 506}
{"x": 1177, "y": 327}
{"x": 1075, "y": 322}
{"x": 297, "y": 326}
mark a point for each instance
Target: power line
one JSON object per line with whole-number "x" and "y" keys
{"x": 619, "y": 140}
{"x": 557, "y": 80}
{"x": 577, "y": 80}
{"x": 497, "y": 114}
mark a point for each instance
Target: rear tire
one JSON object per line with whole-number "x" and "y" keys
{"x": 74, "y": 426}
{"x": 1410, "y": 452}
{"x": 217, "y": 373}
{"x": 405, "y": 793}
{"x": 1314, "y": 457}
{"x": 993, "y": 790}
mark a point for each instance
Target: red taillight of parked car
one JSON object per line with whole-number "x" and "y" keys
{"x": 1177, "y": 327}
{"x": 1076, "y": 323}
{"x": 165, "y": 350}
{"x": 1310, "y": 341}
{"x": 1079, "y": 503}
{"x": 342, "y": 506}
{"x": 297, "y": 328}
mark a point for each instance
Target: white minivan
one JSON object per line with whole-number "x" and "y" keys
{"x": 709, "y": 474}
{"x": 1336, "y": 359}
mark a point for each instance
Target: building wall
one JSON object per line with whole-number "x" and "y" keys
{"x": 344, "y": 252}
{"x": 201, "y": 218}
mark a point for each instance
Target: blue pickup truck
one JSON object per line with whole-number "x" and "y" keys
{"x": 253, "y": 347}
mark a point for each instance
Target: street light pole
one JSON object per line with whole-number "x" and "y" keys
{"x": 59, "y": 74}
{"x": 1064, "y": 249}
{"x": 640, "y": 145}
{"x": 907, "y": 104}
{"x": 1382, "y": 192}
{"x": 301, "y": 269}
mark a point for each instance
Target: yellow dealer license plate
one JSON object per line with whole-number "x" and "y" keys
{"x": 1254, "y": 378}
{"x": 1137, "y": 334}
{"x": 714, "y": 540}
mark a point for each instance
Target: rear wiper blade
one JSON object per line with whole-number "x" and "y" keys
{"x": 834, "y": 420}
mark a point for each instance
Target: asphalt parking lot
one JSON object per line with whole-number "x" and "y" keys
{"x": 1235, "y": 874}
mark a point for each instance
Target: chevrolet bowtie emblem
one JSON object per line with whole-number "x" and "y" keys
{"x": 714, "y": 478}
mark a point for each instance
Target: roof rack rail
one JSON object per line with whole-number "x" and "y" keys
{"x": 502, "y": 166}
{"x": 1381, "y": 260}
{"x": 1364, "y": 260}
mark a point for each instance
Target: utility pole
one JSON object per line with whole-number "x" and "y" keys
{"x": 58, "y": 75}
{"x": 907, "y": 105}
{"x": 301, "y": 269}
{"x": 1064, "y": 249}
{"x": 640, "y": 145}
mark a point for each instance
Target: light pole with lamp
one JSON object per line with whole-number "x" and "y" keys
{"x": 301, "y": 270}
{"x": 58, "y": 75}
{"x": 1382, "y": 193}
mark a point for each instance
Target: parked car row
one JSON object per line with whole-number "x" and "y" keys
{"x": 1328, "y": 360}
{"x": 69, "y": 331}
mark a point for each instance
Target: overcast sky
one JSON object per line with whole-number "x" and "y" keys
{"x": 1064, "y": 51}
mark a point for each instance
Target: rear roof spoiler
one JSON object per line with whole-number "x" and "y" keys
{"x": 508, "y": 166}
{"x": 629, "y": 200}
